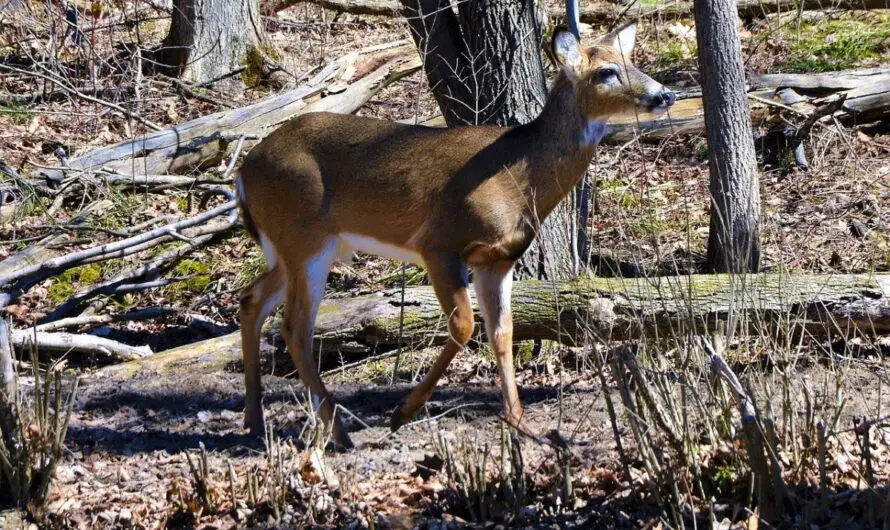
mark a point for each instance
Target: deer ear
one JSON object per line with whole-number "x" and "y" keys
{"x": 567, "y": 52}
{"x": 622, "y": 39}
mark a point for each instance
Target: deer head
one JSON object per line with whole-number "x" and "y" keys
{"x": 605, "y": 80}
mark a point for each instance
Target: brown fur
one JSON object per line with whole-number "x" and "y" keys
{"x": 458, "y": 197}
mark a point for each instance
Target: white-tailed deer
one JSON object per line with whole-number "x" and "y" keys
{"x": 324, "y": 185}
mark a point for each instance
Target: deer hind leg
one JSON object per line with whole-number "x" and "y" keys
{"x": 305, "y": 289}
{"x": 258, "y": 301}
{"x": 448, "y": 275}
{"x": 493, "y": 284}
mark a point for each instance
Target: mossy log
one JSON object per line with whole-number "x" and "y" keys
{"x": 586, "y": 309}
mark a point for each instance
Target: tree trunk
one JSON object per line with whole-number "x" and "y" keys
{"x": 210, "y": 38}
{"x": 585, "y": 309}
{"x": 734, "y": 239}
{"x": 503, "y": 46}
{"x": 484, "y": 62}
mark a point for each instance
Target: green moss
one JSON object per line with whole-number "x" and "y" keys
{"x": 18, "y": 112}
{"x": 673, "y": 54}
{"x": 182, "y": 203}
{"x": 649, "y": 226}
{"x": 701, "y": 151}
{"x": 414, "y": 275}
{"x": 157, "y": 250}
{"x": 486, "y": 352}
{"x": 199, "y": 277}
{"x": 725, "y": 478}
{"x": 840, "y": 44}
{"x": 252, "y": 266}
{"x": 255, "y": 63}
{"x": 66, "y": 284}
{"x": 525, "y": 351}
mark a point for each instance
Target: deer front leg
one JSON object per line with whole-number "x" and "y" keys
{"x": 493, "y": 284}
{"x": 448, "y": 275}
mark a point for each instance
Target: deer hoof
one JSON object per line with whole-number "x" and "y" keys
{"x": 254, "y": 423}
{"x": 343, "y": 444}
{"x": 397, "y": 419}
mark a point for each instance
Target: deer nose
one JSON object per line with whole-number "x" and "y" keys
{"x": 661, "y": 100}
{"x": 665, "y": 98}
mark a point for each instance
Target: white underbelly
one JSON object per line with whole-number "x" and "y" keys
{"x": 356, "y": 242}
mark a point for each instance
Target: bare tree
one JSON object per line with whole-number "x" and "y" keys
{"x": 734, "y": 240}
{"x": 209, "y": 39}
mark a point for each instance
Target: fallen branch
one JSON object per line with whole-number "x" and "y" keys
{"x": 207, "y": 140}
{"x": 69, "y": 342}
{"x": 24, "y": 276}
{"x": 116, "y": 249}
{"x": 143, "y": 276}
{"x": 867, "y": 99}
{"x": 605, "y": 308}
{"x": 99, "y": 320}
{"x": 870, "y": 101}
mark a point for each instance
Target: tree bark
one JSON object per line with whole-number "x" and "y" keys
{"x": 503, "y": 41}
{"x": 585, "y": 309}
{"x": 210, "y": 38}
{"x": 483, "y": 63}
{"x": 734, "y": 238}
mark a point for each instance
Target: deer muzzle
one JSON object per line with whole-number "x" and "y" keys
{"x": 659, "y": 101}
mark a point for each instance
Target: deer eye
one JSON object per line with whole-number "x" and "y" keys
{"x": 607, "y": 74}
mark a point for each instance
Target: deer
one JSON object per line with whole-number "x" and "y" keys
{"x": 452, "y": 200}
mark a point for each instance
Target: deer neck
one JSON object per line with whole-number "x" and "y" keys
{"x": 561, "y": 144}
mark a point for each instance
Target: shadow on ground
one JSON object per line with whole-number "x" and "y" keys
{"x": 176, "y": 413}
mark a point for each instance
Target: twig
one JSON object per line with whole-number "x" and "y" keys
{"x": 188, "y": 90}
{"x": 753, "y": 432}
{"x": 826, "y": 110}
{"x": 126, "y": 281}
{"x": 366, "y": 360}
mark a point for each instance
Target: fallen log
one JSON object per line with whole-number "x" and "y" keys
{"x": 207, "y": 140}
{"x": 597, "y": 13}
{"x": 587, "y": 308}
{"x": 68, "y": 342}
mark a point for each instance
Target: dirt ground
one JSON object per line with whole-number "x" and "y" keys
{"x": 125, "y": 464}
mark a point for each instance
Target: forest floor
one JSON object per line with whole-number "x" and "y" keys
{"x": 126, "y": 463}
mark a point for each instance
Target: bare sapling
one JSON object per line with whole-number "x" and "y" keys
{"x": 325, "y": 185}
